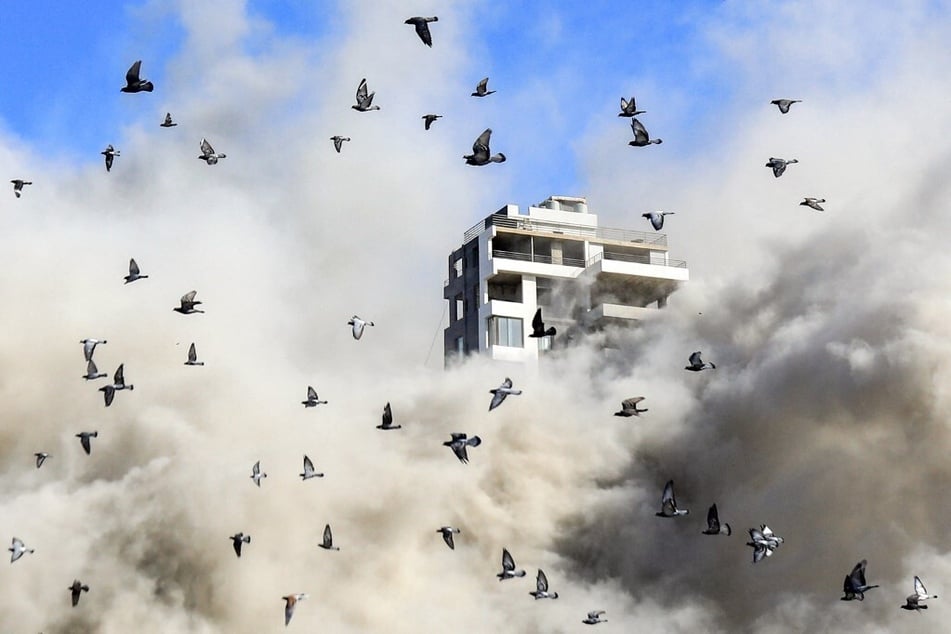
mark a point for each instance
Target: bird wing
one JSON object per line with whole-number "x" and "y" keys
{"x": 133, "y": 267}
{"x": 311, "y": 393}
{"x": 192, "y": 354}
{"x": 206, "y": 148}
{"x": 713, "y": 519}
{"x": 308, "y": 465}
{"x": 108, "y": 393}
{"x": 256, "y": 469}
{"x": 695, "y": 359}
{"x": 236, "y": 543}
{"x": 458, "y": 436}
{"x": 537, "y": 323}
{"x": 119, "y": 378}
{"x": 482, "y": 85}
{"x": 541, "y": 581}
{"x": 640, "y": 132}
{"x": 447, "y": 537}
{"x": 460, "y": 451}
{"x": 132, "y": 76}
{"x": 481, "y": 144}
{"x": 631, "y": 403}
{"x": 920, "y": 588}
{"x": 189, "y": 297}
{"x": 91, "y": 368}
{"x": 422, "y": 30}
{"x": 507, "y": 562}
{"x": 668, "y": 496}
{"x": 387, "y": 415}
{"x": 168, "y": 118}
{"x": 362, "y": 91}
{"x": 497, "y": 397}
{"x": 328, "y": 537}
{"x": 84, "y": 441}
{"x": 289, "y": 608}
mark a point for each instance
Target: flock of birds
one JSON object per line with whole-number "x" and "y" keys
{"x": 763, "y": 540}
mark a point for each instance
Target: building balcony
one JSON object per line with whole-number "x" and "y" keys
{"x": 559, "y": 229}
{"x": 607, "y": 311}
{"x": 534, "y": 264}
{"x": 655, "y": 265}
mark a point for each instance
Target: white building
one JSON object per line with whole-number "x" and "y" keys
{"x": 556, "y": 258}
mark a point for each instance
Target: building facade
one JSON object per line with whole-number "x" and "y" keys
{"x": 555, "y": 257}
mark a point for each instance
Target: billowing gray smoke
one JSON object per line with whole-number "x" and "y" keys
{"x": 825, "y": 417}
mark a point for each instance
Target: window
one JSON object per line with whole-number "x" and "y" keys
{"x": 460, "y": 346}
{"x": 460, "y": 309}
{"x": 457, "y": 267}
{"x": 505, "y": 331}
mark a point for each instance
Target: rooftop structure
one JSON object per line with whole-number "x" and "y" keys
{"x": 556, "y": 258}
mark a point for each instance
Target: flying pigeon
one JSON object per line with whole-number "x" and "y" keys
{"x": 312, "y": 398}
{"x": 668, "y": 503}
{"x": 76, "y": 589}
{"x": 541, "y": 587}
{"x": 289, "y": 605}
{"x": 480, "y": 90}
{"x": 41, "y": 457}
{"x": 813, "y": 203}
{"x": 364, "y": 100}
{"x": 447, "y": 532}
{"x": 641, "y": 137}
{"x": 459, "y": 443}
{"x": 499, "y": 393}
{"x": 779, "y": 165}
{"x": 237, "y": 539}
{"x": 714, "y": 527}
{"x": 188, "y": 302}
{"x": 309, "y": 470}
{"x": 328, "y": 540}
{"x": 132, "y": 81}
{"x": 422, "y": 28}
{"x": 110, "y": 153}
{"x": 508, "y": 567}
{"x": 134, "y": 272}
{"x": 208, "y": 154}
{"x": 118, "y": 383}
{"x": 17, "y": 549}
{"x": 19, "y": 183}
{"x": 917, "y": 600}
{"x": 763, "y": 541}
{"x": 481, "y": 154}
{"x": 387, "y": 419}
{"x": 629, "y": 109}
{"x": 783, "y": 104}
{"x": 92, "y": 372}
{"x": 193, "y": 356}
{"x": 89, "y": 346}
{"x": 358, "y": 325}
{"x": 629, "y": 407}
{"x": 594, "y": 617}
{"x": 256, "y": 473}
{"x": 84, "y": 437}
{"x": 697, "y": 364}
{"x": 855, "y": 586}
{"x": 168, "y": 123}
{"x": 538, "y": 326}
{"x": 338, "y": 141}
{"x": 428, "y": 119}
{"x": 657, "y": 218}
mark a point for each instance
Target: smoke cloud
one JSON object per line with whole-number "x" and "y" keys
{"x": 823, "y": 419}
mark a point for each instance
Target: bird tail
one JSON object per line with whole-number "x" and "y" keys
{"x": 550, "y": 332}
{"x": 729, "y": 531}
{"x": 148, "y": 87}
{"x": 498, "y": 158}
{"x": 475, "y": 441}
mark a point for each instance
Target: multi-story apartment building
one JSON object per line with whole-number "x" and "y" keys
{"x": 556, "y": 258}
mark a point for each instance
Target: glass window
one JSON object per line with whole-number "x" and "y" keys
{"x": 460, "y": 346}
{"x": 505, "y": 331}
{"x": 457, "y": 267}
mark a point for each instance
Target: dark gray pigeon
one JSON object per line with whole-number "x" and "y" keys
{"x": 84, "y": 437}
{"x": 447, "y": 533}
{"x": 508, "y": 567}
{"x": 778, "y": 165}
{"x": 133, "y": 272}
{"x": 387, "y": 419}
{"x": 541, "y": 587}
{"x": 629, "y": 407}
{"x": 783, "y": 104}
{"x": 89, "y": 347}
{"x": 459, "y": 443}
{"x": 19, "y": 183}
{"x": 499, "y": 393}
{"x": 422, "y": 28}
{"x": 813, "y": 203}
{"x": 697, "y": 364}
{"x": 657, "y": 218}
{"x": 594, "y": 617}
{"x": 641, "y": 137}
{"x": 428, "y": 119}
{"x": 481, "y": 154}
{"x": 208, "y": 154}
{"x": 110, "y": 153}
{"x": 41, "y": 457}
{"x": 338, "y": 141}
{"x": 76, "y": 590}
{"x": 481, "y": 89}
{"x": 309, "y": 470}
{"x": 538, "y": 327}
{"x": 714, "y": 527}
{"x": 854, "y": 587}
{"x": 132, "y": 81}
{"x": 629, "y": 108}
{"x": 312, "y": 400}
{"x": 668, "y": 503}
{"x": 168, "y": 123}
{"x": 237, "y": 540}
{"x": 193, "y": 356}
{"x": 327, "y": 543}
{"x": 188, "y": 303}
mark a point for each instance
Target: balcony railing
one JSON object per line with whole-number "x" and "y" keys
{"x": 529, "y": 257}
{"x": 639, "y": 259}
{"x": 588, "y": 233}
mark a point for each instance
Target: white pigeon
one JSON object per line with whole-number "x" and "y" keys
{"x": 499, "y": 393}
{"x": 541, "y": 587}
{"x": 89, "y": 346}
{"x": 17, "y": 549}
{"x": 917, "y": 600}
{"x": 309, "y": 470}
{"x": 358, "y": 326}
{"x": 290, "y": 602}
{"x": 257, "y": 474}
{"x": 668, "y": 503}
{"x": 508, "y": 567}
